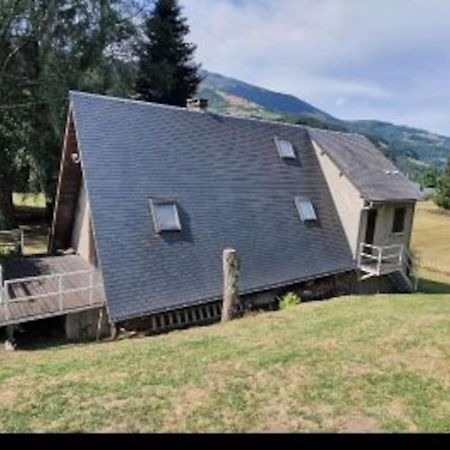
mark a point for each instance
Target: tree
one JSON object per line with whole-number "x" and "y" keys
{"x": 429, "y": 178}
{"x": 48, "y": 47}
{"x": 442, "y": 197}
{"x": 167, "y": 72}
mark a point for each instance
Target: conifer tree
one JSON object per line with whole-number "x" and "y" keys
{"x": 167, "y": 72}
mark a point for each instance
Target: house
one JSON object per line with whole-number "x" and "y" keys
{"x": 149, "y": 196}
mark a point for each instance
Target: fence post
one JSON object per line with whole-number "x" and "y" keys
{"x": 230, "y": 263}
{"x": 60, "y": 292}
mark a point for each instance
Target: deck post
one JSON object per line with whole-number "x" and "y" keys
{"x": 99, "y": 324}
{"x": 230, "y": 264}
{"x": 361, "y": 250}
{"x": 22, "y": 241}
{"x": 400, "y": 259}
{"x": 380, "y": 255}
{"x": 10, "y": 343}
{"x": 114, "y": 330}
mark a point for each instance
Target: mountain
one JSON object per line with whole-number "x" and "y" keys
{"x": 413, "y": 150}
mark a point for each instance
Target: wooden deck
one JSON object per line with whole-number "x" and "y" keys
{"x": 41, "y": 287}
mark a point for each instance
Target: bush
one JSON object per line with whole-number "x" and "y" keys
{"x": 288, "y": 300}
{"x": 442, "y": 197}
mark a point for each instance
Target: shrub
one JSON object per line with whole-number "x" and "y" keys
{"x": 288, "y": 300}
{"x": 442, "y": 197}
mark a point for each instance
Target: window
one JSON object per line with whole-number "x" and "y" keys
{"x": 165, "y": 215}
{"x": 305, "y": 209}
{"x": 285, "y": 148}
{"x": 399, "y": 220}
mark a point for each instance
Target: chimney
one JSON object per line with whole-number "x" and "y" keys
{"x": 197, "y": 104}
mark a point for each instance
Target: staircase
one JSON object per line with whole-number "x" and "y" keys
{"x": 400, "y": 282}
{"x": 393, "y": 261}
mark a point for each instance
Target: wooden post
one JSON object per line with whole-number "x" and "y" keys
{"x": 99, "y": 324}
{"x": 10, "y": 343}
{"x": 114, "y": 329}
{"x": 230, "y": 263}
{"x": 22, "y": 242}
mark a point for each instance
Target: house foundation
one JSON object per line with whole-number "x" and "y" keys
{"x": 87, "y": 325}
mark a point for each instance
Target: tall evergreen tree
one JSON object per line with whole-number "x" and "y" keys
{"x": 443, "y": 188}
{"x": 167, "y": 72}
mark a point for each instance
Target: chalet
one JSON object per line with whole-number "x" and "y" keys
{"x": 150, "y": 195}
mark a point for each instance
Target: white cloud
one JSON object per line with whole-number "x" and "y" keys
{"x": 380, "y": 56}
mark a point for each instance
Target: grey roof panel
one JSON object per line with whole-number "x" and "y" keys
{"x": 232, "y": 190}
{"x": 374, "y": 175}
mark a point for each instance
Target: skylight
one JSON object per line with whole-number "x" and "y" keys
{"x": 285, "y": 148}
{"x": 165, "y": 215}
{"x": 305, "y": 209}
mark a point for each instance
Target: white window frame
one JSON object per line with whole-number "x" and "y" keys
{"x": 281, "y": 152}
{"x": 298, "y": 203}
{"x": 159, "y": 201}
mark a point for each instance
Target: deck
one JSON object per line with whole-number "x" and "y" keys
{"x": 34, "y": 288}
{"x": 376, "y": 261}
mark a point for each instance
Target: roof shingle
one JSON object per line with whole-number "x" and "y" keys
{"x": 376, "y": 178}
{"x": 232, "y": 190}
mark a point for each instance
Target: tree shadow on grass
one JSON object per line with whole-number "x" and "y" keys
{"x": 427, "y": 286}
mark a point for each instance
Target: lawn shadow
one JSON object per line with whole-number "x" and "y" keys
{"x": 428, "y": 286}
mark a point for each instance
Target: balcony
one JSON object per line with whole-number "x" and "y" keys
{"x": 376, "y": 261}
{"x": 33, "y": 288}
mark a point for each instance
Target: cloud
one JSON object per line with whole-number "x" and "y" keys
{"x": 352, "y": 58}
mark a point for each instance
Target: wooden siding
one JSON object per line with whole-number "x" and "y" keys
{"x": 68, "y": 191}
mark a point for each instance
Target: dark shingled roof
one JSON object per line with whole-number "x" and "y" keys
{"x": 367, "y": 168}
{"x": 233, "y": 190}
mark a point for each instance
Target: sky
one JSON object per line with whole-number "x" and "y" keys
{"x": 355, "y": 59}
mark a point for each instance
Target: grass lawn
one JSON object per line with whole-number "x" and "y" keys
{"x": 373, "y": 363}
{"x": 352, "y": 364}
{"x": 431, "y": 237}
{"x": 30, "y": 209}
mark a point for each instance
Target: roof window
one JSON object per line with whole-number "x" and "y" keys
{"x": 165, "y": 215}
{"x": 285, "y": 148}
{"x": 305, "y": 209}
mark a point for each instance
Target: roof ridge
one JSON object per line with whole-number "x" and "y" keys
{"x": 181, "y": 108}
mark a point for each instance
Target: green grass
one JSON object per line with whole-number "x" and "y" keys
{"x": 431, "y": 239}
{"x": 30, "y": 210}
{"x": 356, "y": 363}
{"x": 370, "y": 363}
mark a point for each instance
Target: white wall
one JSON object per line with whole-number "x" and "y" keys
{"x": 346, "y": 197}
{"x": 385, "y": 220}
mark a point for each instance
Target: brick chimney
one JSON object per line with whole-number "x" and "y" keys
{"x": 197, "y": 104}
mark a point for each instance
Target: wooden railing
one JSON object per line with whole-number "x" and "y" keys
{"x": 381, "y": 260}
{"x": 50, "y": 295}
{"x": 378, "y": 258}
